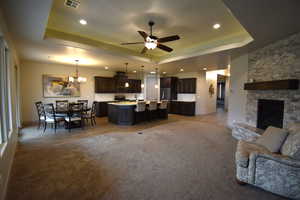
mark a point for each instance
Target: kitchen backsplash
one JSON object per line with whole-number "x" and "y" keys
{"x": 111, "y": 96}
{"x": 186, "y": 97}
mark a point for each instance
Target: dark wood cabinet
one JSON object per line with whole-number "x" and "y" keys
{"x": 105, "y": 85}
{"x": 112, "y": 85}
{"x": 183, "y": 108}
{"x": 102, "y": 108}
{"x": 187, "y": 85}
{"x": 168, "y": 88}
{"x": 134, "y": 86}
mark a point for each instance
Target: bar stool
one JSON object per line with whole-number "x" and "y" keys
{"x": 152, "y": 110}
{"x": 162, "y": 109}
{"x": 140, "y": 111}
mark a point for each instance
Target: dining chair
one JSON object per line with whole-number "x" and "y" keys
{"x": 39, "y": 108}
{"x": 162, "y": 109}
{"x": 140, "y": 111}
{"x": 152, "y": 110}
{"x": 50, "y": 116}
{"x": 75, "y": 115}
{"x": 61, "y": 104}
{"x": 85, "y": 103}
{"x": 91, "y": 115}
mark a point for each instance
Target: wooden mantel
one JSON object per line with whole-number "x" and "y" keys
{"x": 288, "y": 84}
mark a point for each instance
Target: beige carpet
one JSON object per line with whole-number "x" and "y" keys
{"x": 182, "y": 160}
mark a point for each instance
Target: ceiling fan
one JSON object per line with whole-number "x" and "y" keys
{"x": 151, "y": 41}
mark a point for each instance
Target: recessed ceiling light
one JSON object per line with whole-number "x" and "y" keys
{"x": 152, "y": 72}
{"x": 181, "y": 70}
{"x": 216, "y": 26}
{"x": 204, "y": 68}
{"x": 164, "y": 72}
{"x": 106, "y": 68}
{"x": 134, "y": 71}
{"x": 83, "y": 22}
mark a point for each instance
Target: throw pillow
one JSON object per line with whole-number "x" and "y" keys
{"x": 272, "y": 138}
{"x": 291, "y": 146}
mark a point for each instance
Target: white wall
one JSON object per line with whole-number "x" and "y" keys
{"x": 32, "y": 90}
{"x": 238, "y": 96}
{"x": 7, "y": 149}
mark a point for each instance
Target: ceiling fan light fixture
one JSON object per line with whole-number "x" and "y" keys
{"x": 217, "y": 26}
{"x": 150, "y": 43}
{"x": 83, "y": 22}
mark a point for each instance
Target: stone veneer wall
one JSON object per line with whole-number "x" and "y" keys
{"x": 280, "y": 60}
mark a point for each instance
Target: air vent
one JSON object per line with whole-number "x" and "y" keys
{"x": 72, "y": 3}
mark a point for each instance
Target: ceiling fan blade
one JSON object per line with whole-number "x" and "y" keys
{"x": 164, "y": 47}
{"x": 127, "y": 43}
{"x": 168, "y": 39}
{"x": 144, "y": 50}
{"x": 143, "y": 34}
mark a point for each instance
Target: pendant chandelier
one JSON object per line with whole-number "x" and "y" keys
{"x": 126, "y": 83}
{"x": 77, "y": 78}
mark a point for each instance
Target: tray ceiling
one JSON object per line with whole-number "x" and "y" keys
{"x": 111, "y": 22}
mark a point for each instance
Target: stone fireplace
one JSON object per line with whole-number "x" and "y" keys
{"x": 269, "y": 113}
{"x": 277, "y": 61}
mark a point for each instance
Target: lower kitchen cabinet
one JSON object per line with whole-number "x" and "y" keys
{"x": 182, "y": 108}
{"x": 102, "y": 108}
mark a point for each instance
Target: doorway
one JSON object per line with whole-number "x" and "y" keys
{"x": 222, "y": 92}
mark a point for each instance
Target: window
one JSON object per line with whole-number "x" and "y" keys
{"x": 5, "y": 107}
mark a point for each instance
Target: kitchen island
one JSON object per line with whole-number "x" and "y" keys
{"x": 122, "y": 113}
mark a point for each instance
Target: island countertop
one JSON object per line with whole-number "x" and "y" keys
{"x": 128, "y": 103}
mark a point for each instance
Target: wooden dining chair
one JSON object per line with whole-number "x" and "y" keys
{"x": 75, "y": 115}
{"x": 50, "y": 116}
{"x": 61, "y": 104}
{"x": 40, "y": 109}
{"x": 91, "y": 115}
{"x": 85, "y": 103}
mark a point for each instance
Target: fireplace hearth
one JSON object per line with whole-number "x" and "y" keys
{"x": 270, "y": 113}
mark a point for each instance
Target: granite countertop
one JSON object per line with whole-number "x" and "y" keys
{"x": 127, "y": 103}
{"x": 124, "y": 103}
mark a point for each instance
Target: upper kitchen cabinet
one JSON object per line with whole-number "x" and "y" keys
{"x": 105, "y": 85}
{"x": 113, "y": 85}
{"x": 168, "y": 88}
{"x": 134, "y": 86}
{"x": 187, "y": 85}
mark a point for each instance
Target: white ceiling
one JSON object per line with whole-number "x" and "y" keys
{"x": 27, "y": 21}
{"x": 111, "y": 22}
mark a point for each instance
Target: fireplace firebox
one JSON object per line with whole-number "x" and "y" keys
{"x": 270, "y": 113}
